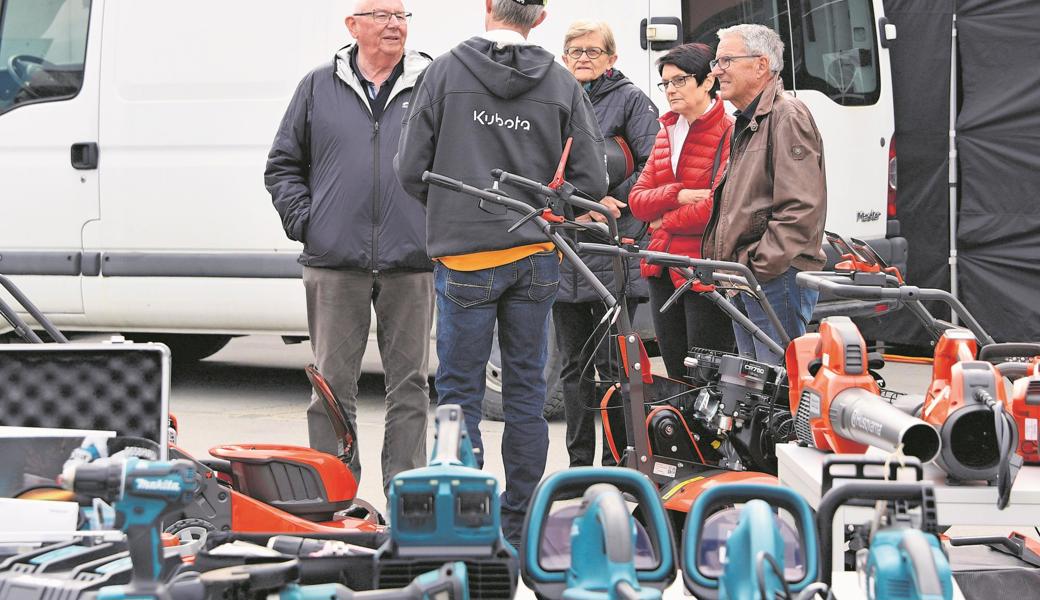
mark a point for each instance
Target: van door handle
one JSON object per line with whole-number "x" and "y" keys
{"x": 85, "y": 155}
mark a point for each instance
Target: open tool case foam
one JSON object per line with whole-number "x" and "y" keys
{"x": 120, "y": 387}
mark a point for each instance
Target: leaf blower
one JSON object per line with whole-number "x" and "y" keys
{"x": 965, "y": 400}
{"x": 1025, "y": 406}
{"x": 967, "y": 403}
{"x": 836, "y": 402}
{"x": 747, "y": 552}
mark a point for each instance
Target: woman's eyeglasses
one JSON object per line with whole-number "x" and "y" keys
{"x": 677, "y": 82}
{"x": 593, "y": 53}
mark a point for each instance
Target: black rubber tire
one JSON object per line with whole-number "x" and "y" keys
{"x": 185, "y": 348}
{"x": 553, "y": 397}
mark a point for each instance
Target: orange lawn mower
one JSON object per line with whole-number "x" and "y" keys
{"x": 273, "y": 488}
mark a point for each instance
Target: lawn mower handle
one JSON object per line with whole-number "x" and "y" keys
{"x": 834, "y": 283}
{"x": 524, "y": 208}
{"x": 505, "y": 177}
{"x": 21, "y": 329}
{"x": 745, "y": 277}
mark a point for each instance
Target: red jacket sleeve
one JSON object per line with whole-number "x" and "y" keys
{"x": 688, "y": 219}
{"x": 649, "y": 201}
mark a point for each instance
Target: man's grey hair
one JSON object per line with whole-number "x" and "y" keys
{"x": 761, "y": 41}
{"x": 516, "y": 14}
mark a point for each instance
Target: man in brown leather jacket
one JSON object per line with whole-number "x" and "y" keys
{"x": 769, "y": 212}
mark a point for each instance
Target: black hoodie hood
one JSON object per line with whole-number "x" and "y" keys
{"x": 507, "y": 71}
{"x": 479, "y": 108}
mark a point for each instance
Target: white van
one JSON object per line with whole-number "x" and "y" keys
{"x": 134, "y": 133}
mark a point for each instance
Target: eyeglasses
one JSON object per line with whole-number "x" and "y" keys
{"x": 593, "y": 53}
{"x": 723, "y": 62}
{"x": 383, "y": 18}
{"x": 677, "y": 82}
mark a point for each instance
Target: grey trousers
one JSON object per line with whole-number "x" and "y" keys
{"x": 339, "y": 308}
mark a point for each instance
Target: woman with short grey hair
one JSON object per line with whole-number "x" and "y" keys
{"x": 628, "y": 121}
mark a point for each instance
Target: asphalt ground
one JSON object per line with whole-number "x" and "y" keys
{"x": 255, "y": 390}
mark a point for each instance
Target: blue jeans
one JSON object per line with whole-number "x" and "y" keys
{"x": 519, "y": 296}
{"x": 794, "y": 307}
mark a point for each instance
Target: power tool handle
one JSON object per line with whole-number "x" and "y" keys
{"x": 721, "y": 496}
{"x": 145, "y": 550}
{"x": 841, "y": 495}
{"x": 924, "y": 574}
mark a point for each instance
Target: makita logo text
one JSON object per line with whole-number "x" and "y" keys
{"x": 496, "y": 120}
{"x": 867, "y": 424}
{"x": 161, "y": 485}
{"x": 868, "y": 217}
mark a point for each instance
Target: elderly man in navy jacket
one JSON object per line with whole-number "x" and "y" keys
{"x": 330, "y": 174}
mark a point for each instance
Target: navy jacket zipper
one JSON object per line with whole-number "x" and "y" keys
{"x": 375, "y": 202}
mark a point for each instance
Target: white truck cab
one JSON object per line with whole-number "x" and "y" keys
{"x": 134, "y": 134}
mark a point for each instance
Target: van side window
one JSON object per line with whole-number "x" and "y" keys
{"x": 829, "y": 45}
{"x": 835, "y": 41}
{"x": 702, "y": 21}
{"x": 43, "y": 44}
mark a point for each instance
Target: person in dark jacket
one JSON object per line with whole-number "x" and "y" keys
{"x": 674, "y": 195}
{"x": 497, "y": 101}
{"x": 330, "y": 175}
{"x": 628, "y": 120}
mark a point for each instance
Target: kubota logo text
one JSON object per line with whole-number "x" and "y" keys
{"x": 496, "y": 120}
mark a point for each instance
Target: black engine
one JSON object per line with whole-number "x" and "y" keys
{"x": 741, "y": 406}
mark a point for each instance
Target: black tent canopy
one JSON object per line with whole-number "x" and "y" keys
{"x": 998, "y": 159}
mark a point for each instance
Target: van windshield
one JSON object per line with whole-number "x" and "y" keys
{"x": 829, "y": 45}
{"x": 43, "y": 44}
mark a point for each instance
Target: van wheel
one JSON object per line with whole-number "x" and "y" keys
{"x": 493, "y": 393}
{"x": 185, "y": 348}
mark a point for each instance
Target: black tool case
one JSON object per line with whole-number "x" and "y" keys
{"x": 120, "y": 387}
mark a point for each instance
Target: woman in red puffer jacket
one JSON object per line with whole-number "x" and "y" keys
{"x": 674, "y": 194}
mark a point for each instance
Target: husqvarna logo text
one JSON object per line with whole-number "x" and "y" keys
{"x": 496, "y": 120}
{"x": 865, "y": 423}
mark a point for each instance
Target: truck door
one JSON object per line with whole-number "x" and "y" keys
{"x": 835, "y": 64}
{"x": 48, "y": 145}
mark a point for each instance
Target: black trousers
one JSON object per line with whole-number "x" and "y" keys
{"x": 693, "y": 321}
{"x": 588, "y": 355}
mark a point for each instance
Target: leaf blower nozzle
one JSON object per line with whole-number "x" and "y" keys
{"x": 865, "y": 417}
